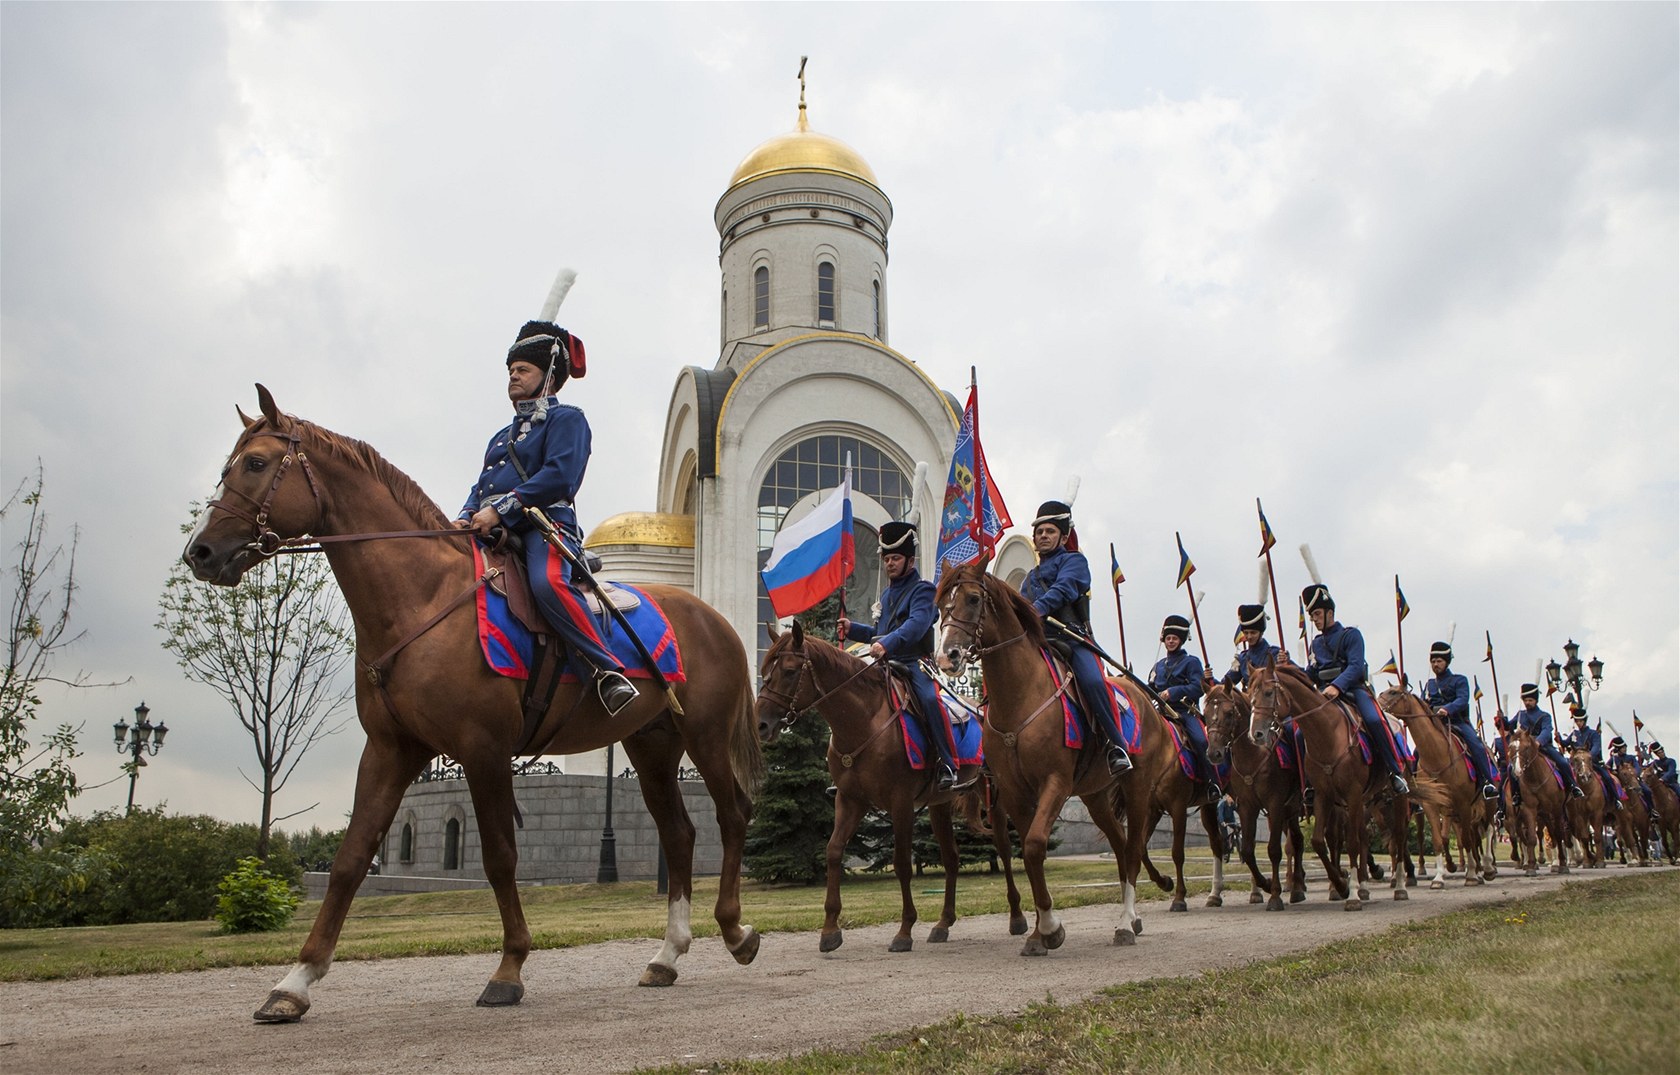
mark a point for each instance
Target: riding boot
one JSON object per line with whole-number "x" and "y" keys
{"x": 1114, "y": 754}
{"x": 615, "y": 691}
{"x": 944, "y": 768}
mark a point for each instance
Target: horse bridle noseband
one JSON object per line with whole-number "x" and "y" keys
{"x": 975, "y": 648}
{"x": 790, "y": 702}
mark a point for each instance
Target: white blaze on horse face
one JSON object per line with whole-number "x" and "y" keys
{"x": 678, "y": 935}
{"x": 204, "y": 517}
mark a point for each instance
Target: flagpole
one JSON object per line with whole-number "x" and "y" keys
{"x": 1118, "y": 612}
{"x": 1498, "y": 698}
{"x": 976, "y": 525}
{"x": 1399, "y": 632}
{"x": 1190, "y": 592}
{"x": 1266, "y": 543}
{"x": 1476, "y": 693}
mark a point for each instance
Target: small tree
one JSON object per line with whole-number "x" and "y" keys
{"x": 36, "y": 781}
{"x": 252, "y": 900}
{"x": 272, "y": 646}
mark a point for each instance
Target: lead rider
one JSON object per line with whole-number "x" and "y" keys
{"x": 538, "y": 460}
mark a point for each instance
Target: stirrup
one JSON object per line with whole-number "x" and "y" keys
{"x": 1398, "y": 783}
{"x": 1215, "y": 795}
{"x": 944, "y": 778}
{"x": 1575, "y": 790}
{"x": 615, "y": 691}
{"x": 1118, "y": 760}
{"x": 1489, "y": 791}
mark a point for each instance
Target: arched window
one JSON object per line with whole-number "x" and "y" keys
{"x": 761, "y": 297}
{"x": 825, "y": 294}
{"x": 452, "y": 844}
{"x": 877, "y": 309}
{"x": 816, "y": 464}
{"x": 405, "y": 849}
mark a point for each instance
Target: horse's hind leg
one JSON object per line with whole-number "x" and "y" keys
{"x": 1101, "y": 808}
{"x": 385, "y": 772}
{"x": 1179, "y": 820}
{"x": 655, "y": 752}
{"x": 1048, "y": 932}
{"x": 1216, "y": 843}
{"x": 939, "y": 818}
{"x": 490, "y": 782}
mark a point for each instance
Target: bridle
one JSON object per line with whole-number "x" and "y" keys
{"x": 790, "y": 702}
{"x": 264, "y": 541}
{"x": 976, "y": 647}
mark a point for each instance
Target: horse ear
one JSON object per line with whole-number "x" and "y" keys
{"x": 243, "y": 417}
{"x": 986, "y": 559}
{"x": 798, "y": 633}
{"x": 775, "y": 630}
{"x": 269, "y": 409}
{"x": 1271, "y": 661}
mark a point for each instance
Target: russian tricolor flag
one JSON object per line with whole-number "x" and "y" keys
{"x": 813, "y": 556}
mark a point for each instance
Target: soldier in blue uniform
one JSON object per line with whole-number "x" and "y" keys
{"x": 1664, "y": 766}
{"x": 1338, "y": 664}
{"x": 1177, "y": 678}
{"x": 538, "y": 460}
{"x": 1588, "y": 740}
{"x": 904, "y": 635}
{"x": 1538, "y": 723}
{"x": 1448, "y": 694}
{"x": 1618, "y": 753}
{"x": 1060, "y": 587}
{"x": 1256, "y": 651}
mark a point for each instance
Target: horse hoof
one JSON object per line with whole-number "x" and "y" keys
{"x": 1255, "y": 897}
{"x": 1531, "y": 873}
{"x": 938, "y": 935}
{"x": 1365, "y": 893}
{"x": 1215, "y": 901}
{"x": 1018, "y": 926}
{"x": 899, "y": 944}
{"x": 1402, "y": 894}
{"x": 281, "y": 1007}
{"x": 747, "y": 950}
{"x": 1179, "y": 905}
{"x": 658, "y": 974}
{"x": 1276, "y": 904}
{"x": 1137, "y": 926}
{"x": 1353, "y": 905}
{"x": 1436, "y": 886}
{"x": 1034, "y": 947}
{"x": 830, "y": 941}
{"x": 1124, "y": 937}
{"x": 1297, "y": 896}
{"x": 1054, "y": 940}
{"x": 506, "y": 994}
{"x": 1411, "y": 882}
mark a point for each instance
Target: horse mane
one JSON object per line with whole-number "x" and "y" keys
{"x": 1002, "y": 593}
{"x": 404, "y": 490}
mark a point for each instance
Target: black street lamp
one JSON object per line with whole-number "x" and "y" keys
{"x": 148, "y": 739}
{"x": 608, "y": 869}
{"x": 1570, "y": 674}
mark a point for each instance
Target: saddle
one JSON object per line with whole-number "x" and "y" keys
{"x": 512, "y": 582}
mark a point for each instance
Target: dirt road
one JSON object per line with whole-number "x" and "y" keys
{"x": 583, "y": 1013}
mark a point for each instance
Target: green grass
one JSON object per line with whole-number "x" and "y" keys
{"x": 1582, "y": 979}
{"x": 461, "y": 922}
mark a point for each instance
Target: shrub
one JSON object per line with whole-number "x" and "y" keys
{"x": 252, "y": 900}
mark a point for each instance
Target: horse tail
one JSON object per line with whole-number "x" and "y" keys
{"x": 746, "y": 756}
{"x": 1427, "y": 790}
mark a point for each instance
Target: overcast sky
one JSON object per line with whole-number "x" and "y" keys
{"x": 1406, "y": 272}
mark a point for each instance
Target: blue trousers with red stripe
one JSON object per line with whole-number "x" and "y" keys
{"x": 563, "y": 606}
{"x": 1094, "y": 692}
{"x": 1383, "y": 743}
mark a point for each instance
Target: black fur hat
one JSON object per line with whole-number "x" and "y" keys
{"x": 898, "y": 537}
{"x": 546, "y": 345}
{"x": 1317, "y": 596}
{"x": 1441, "y": 650}
{"x": 1055, "y": 513}
{"x": 1176, "y": 625}
{"x": 1251, "y": 617}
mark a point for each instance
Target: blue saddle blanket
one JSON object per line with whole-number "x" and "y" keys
{"x": 964, "y": 734}
{"x": 509, "y": 646}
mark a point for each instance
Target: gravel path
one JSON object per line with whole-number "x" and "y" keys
{"x": 582, "y": 1012}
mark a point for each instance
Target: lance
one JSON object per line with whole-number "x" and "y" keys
{"x": 1498, "y": 699}
{"x": 1119, "y": 614}
{"x": 1476, "y": 694}
{"x": 1267, "y": 540}
{"x": 1400, "y": 611}
{"x": 1195, "y": 616}
{"x": 545, "y": 526}
{"x": 1637, "y": 725}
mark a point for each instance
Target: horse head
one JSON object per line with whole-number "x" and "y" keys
{"x": 1225, "y": 712}
{"x": 1266, "y": 697}
{"x": 784, "y": 680}
{"x": 1403, "y": 704}
{"x": 963, "y": 604}
{"x": 255, "y": 508}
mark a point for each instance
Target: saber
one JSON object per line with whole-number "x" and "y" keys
{"x": 551, "y": 534}
{"x": 1089, "y": 643}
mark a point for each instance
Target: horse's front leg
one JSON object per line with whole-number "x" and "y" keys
{"x": 848, "y": 813}
{"x": 656, "y": 751}
{"x": 1180, "y": 819}
{"x": 1048, "y": 932}
{"x": 903, "y": 815}
{"x": 1216, "y": 842}
{"x": 386, "y": 770}
{"x": 1358, "y": 842}
{"x": 1249, "y": 819}
{"x": 490, "y": 782}
{"x": 1329, "y": 851}
{"x": 1438, "y": 831}
{"x": 1399, "y": 810}
{"x": 939, "y": 819}
{"x": 1006, "y": 854}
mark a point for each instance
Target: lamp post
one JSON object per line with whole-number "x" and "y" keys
{"x": 148, "y": 739}
{"x": 608, "y": 869}
{"x": 1577, "y": 677}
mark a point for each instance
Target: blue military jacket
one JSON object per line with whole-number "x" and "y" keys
{"x": 1588, "y": 739}
{"x": 1536, "y": 722}
{"x": 1249, "y": 659}
{"x": 1177, "y": 677}
{"x": 1665, "y": 769}
{"x": 553, "y": 446}
{"x": 1617, "y": 758}
{"x": 905, "y": 629}
{"x": 1450, "y": 692}
{"x": 1338, "y": 659}
{"x": 1060, "y": 586}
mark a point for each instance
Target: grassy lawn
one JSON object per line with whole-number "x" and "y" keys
{"x": 560, "y": 916}
{"x": 1584, "y": 979}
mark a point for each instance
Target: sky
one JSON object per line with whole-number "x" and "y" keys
{"x": 1406, "y": 273}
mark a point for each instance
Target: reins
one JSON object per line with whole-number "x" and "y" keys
{"x": 791, "y": 702}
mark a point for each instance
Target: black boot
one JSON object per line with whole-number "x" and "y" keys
{"x": 1398, "y": 783}
{"x": 615, "y": 691}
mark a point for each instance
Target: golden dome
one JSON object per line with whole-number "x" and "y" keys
{"x": 803, "y": 150}
{"x": 644, "y": 528}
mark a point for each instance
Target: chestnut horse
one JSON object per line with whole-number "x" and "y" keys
{"x": 1034, "y": 770}
{"x": 423, "y": 687}
{"x": 867, "y": 763}
{"x": 1543, "y": 802}
{"x": 1667, "y": 809}
{"x": 1257, "y": 782}
{"x": 1633, "y": 821}
{"x": 1440, "y": 756}
{"x": 1344, "y": 783}
{"x": 1588, "y": 814}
